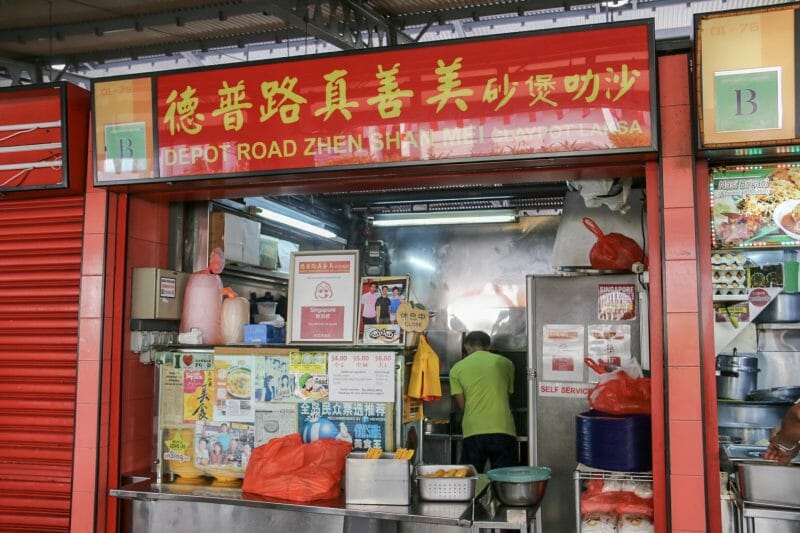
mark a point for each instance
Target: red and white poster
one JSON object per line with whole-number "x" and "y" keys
{"x": 322, "y": 291}
{"x": 562, "y": 352}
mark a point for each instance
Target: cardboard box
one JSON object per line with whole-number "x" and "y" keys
{"x": 239, "y": 238}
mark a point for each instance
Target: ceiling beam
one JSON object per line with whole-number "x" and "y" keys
{"x": 166, "y": 49}
{"x": 132, "y": 23}
{"x": 16, "y": 71}
{"x": 343, "y": 23}
{"x": 519, "y": 7}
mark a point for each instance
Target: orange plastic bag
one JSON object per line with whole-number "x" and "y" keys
{"x": 614, "y": 251}
{"x": 287, "y": 469}
{"x": 619, "y": 393}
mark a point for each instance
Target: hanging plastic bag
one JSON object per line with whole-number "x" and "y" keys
{"x": 287, "y": 469}
{"x": 614, "y": 251}
{"x": 621, "y": 392}
{"x": 424, "y": 383}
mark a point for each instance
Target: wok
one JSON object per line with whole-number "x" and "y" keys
{"x": 783, "y": 394}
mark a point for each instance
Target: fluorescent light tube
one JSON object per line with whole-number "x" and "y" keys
{"x": 445, "y": 217}
{"x": 272, "y": 216}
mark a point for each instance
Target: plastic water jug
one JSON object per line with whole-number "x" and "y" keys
{"x": 235, "y": 315}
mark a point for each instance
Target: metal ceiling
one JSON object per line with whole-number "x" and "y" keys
{"x": 43, "y": 40}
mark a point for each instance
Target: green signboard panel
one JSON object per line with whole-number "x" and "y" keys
{"x": 748, "y": 100}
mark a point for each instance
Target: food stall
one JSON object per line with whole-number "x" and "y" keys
{"x": 457, "y": 271}
{"x": 752, "y": 264}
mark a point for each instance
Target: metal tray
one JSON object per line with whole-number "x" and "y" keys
{"x": 446, "y": 488}
{"x": 768, "y": 483}
{"x": 743, "y": 452}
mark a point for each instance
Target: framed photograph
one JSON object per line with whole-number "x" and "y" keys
{"x": 378, "y": 300}
{"x": 322, "y": 297}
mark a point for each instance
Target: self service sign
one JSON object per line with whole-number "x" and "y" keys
{"x": 529, "y": 95}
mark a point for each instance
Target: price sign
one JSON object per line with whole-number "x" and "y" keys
{"x": 412, "y": 318}
{"x": 361, "y": 377}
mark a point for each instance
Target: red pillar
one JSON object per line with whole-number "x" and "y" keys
{"x": 692, "y": 503}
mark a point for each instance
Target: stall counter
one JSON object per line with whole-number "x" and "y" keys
{"x": 205, "y": 507}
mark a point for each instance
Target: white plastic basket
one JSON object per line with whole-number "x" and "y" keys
{"x": 446, "y": 488}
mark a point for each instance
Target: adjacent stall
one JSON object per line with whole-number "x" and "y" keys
{"x": 749, "y": 133}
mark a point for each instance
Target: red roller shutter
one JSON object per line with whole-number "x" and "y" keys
{"x": 40, "y": 263}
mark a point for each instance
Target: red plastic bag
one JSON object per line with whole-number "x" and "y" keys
{"x": 614, "y": 251}
{"x": 619, "y": 393}
{"x": 287, "y": 469}
{"x": 617, "y": 503}
{"x": 596, "y": 499}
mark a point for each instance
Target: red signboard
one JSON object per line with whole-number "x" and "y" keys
{"x": 519, "y": 96}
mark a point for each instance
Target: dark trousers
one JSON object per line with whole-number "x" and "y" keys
{"x": 500, "y": 449}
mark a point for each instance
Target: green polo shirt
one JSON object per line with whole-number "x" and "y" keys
{"x": 485, "y": 379}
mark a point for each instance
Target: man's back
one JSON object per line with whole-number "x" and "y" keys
{"x": 486, "y": 380}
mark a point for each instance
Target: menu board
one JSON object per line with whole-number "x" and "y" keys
{"x": 363, "y": 377}
{"x": 756, "y": 206}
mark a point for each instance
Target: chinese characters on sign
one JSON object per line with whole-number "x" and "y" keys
{"x": 321, "y": 300}
{"x": 522, "y": 95}
{"x": 364, "y": 424}
{"x": 363, "y": 377}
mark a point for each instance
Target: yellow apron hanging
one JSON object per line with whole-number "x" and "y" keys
{"x": 424, "y": 381}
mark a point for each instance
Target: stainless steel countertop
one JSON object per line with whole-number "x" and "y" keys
{"x": 484, "y": 509}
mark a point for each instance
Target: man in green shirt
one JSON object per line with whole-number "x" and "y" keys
{"x": 481, "y": 384}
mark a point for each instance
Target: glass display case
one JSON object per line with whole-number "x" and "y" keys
{"x": 215, "y": 405}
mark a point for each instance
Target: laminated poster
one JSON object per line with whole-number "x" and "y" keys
{"x": 234, "y": 388}
{"x": 364, "y": 424}
{"x": 609, "y": 345}
{"x": 322, "y": 296}
{"x": 275, "y": 420}
{"x": 273, "y": 381}
{"x": 193, "y": 361}
{"x": 171, "y": 397}
{"x": 361, "y": 377}
{"x": 178, "y": 449}
{"x": 225, "y": 445}
{"x": 562, "y": 352}
{"x": 198, "y": 395}
{"x": 310, "y": 372}
{"x": 616, "y": 302}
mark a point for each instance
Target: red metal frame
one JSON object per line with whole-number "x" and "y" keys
{"x": 707, "y": 349}
{"x": 657, "y": 367}
{"x": 115, "y": 282}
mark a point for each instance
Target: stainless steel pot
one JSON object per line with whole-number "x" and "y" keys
{"x": 737, "y": 375}
{"x": 784, "y": 308}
